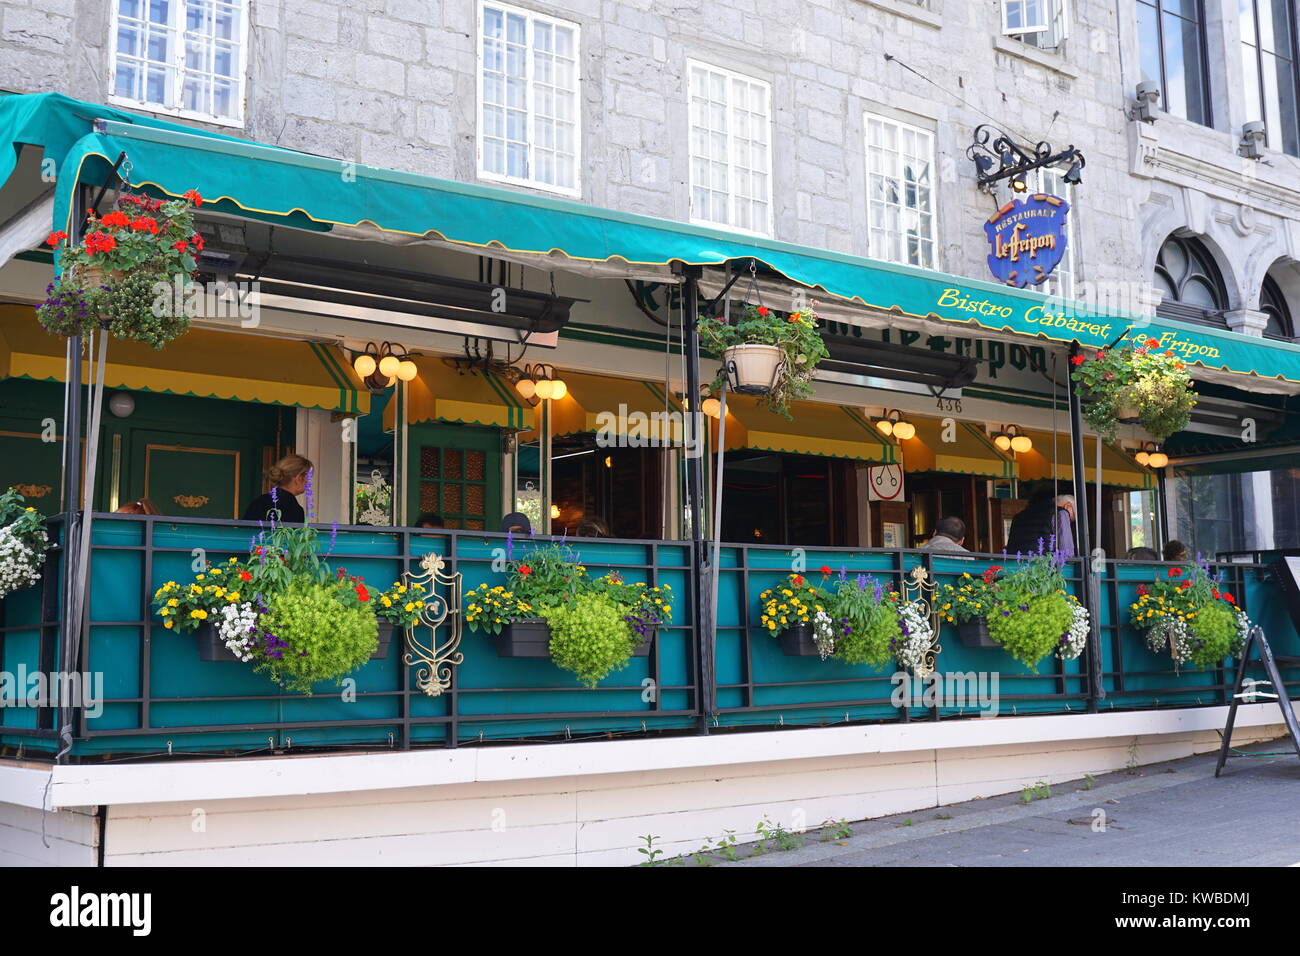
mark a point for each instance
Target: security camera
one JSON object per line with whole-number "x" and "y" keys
{"x": 1148, "y": 95}
{"x": 1253, "y": 135}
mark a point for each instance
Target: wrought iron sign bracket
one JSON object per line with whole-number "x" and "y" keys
{"x": 997, "y": 157}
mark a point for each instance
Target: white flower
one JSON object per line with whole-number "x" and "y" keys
{"x": 21, "y": 557}
{"x": 918, "y": 635}
{"x": 237, "y": 626}
{"x": 823, "y": 634}
{"x": 1074, "y": 640}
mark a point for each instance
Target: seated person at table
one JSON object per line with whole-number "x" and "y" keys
{"x": 141, "y": 506}
{"x": 289, "y": 476}
{"x": 1176, "y": 551}
{"x": 516, "y": 523}
{"x": 1142, "y": 554}
{"x": 430, "y": 520}
{"x": 593, "y": 528}
{"x": 949, "y": 535}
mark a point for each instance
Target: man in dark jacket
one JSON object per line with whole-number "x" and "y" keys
{"x": 1043, "y": 519}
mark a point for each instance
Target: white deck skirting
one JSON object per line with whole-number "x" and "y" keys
{"x": 189, "y": 780}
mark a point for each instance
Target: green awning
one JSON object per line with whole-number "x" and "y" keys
{"x": 269, "y": 182}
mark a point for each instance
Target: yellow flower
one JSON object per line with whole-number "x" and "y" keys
{"x": 198, "y": 577}
{"x": 173, "y": 602}
{"x": 165, "y": 611}
{"x": 167, "y": 624}
{"x": 386, "y": 601}
{"x": 200, "y": 615}
{"x": 409, "y": 606}
{"x": 232, "y": 597}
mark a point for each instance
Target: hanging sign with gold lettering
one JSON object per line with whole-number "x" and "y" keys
{"x": 1028, "y": 239}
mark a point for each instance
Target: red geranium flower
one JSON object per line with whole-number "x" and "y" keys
{"x": 180, "y": 245}
{"x": 245, "y": 576}
{"x": 55, "y": 238}
{"x": 100, "y": 242}
{"x": 1143, "y": 589}
{"x": 762, "y": 310}
{"x": 197, "y": 241}
{"x": 798, "y": 579}
{"x": 116, "y": 218}
{"x": 194, "y": 197}
{"x": 824, "y": 569}
{"x": 145, "y": 224}
{"x": 525, "y": 570}
{"x": 1152, "y": 343}
{"x": 1078, "y": 360}
{"x": 362, "y": 593}
{"x": 1185, "y": 585}
{"x": 1215, "y": 592}
{"x": 1175, "y": 572}
{"x": 1230, "y": 599}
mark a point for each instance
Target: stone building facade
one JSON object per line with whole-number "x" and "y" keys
{"x": 400, "y": 84}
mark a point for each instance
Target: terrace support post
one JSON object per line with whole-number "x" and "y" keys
{"x": 700, "y": 570}
{"x": 1083, "y": 543}
{"x": 69, "y": 623}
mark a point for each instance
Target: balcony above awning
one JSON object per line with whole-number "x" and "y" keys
{"x": 202, "y": 363}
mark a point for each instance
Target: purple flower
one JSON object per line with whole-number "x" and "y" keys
{"x": 510, "y": 545}
{"x": 1006, "y": 613}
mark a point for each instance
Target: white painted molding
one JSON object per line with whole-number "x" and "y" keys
{"x": 87, "y": 785}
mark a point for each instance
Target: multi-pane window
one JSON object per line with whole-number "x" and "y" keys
{"x": 1061, "y": 282}
{"x": 1042, "y": 23}
{"x": 181, "y": 56}
{"x": 731, "y": 158}
{"x": 528, "y": 91}
{"x": 1268, "y": 56}
{"x": 1171, "y": 38}
{"x": 900, "y": 191}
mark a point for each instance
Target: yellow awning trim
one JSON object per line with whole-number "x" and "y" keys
{"x": 203, "y": 363}
{"x": 1117, "y": 468}
{"x": 441, "y": 393}
{"x": 616, "y": 406}
{"x": 969, "y": 452}
{"x": 831, "y": 431}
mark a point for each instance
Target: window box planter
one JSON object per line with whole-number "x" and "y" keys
{"x": 527, "y": 637}
{"x": 643, "y": 649}
{"x": 975, "y": 633}
{"x": 752, "y": 369}
{"x": 797, "y": 641}
{"x": 386, "y": 629}
{"x": 211, "y": 647}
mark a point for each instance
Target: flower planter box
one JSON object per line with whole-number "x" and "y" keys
{"x": 975, "y": 633}
{"x": 386, "y": 629}
{"x": 797, "y": 641}
{"x": 212, "y": 648}
{"x": 752, "y": 369}
{"x": 530, "y": 637}
{"x": 1128, "y": 416}
{"x": 643, "y": 649}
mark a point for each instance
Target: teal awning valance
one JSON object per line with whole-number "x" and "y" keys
{"x": 269, "y": 182}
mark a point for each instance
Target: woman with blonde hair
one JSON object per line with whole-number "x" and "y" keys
{"x": 289, "y": 477}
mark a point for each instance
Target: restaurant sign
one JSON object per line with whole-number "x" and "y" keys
{"x": 1027, "y": 239}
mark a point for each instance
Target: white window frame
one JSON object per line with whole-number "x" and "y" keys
{"x": 532, "y": 17}
{"x": 770, "y": 219}
{"x": 1047, "y": 33}
{"x": 1063, "y": 279}
{"x": 177, "y": 27}
{"x": 931, "y": 134}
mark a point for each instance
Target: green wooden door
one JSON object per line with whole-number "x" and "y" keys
{"x": 196, "y": 476}
{"x": 455, "y": 472}
{"x": 31, "y": 441}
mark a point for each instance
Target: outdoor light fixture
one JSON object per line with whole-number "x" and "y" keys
{"x": 711, "y": 407}
{"x": 1253, "y": 135}
{"x": 380, "y": 366}
{"x": 1150, "y": 455}
{"x": 555, "y": 511}
{"x": 121, "y": 404}
{"x": 539, "y": 382}
{"x": 1011, "y": 438}
{"x": 997, "y": 157}
{"x": 893, "y": 423}
{"x": 1148, "y": 95}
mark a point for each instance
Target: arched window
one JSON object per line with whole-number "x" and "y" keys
{"x": 1273, "y": 304}
{"x": 1190, "y": 281}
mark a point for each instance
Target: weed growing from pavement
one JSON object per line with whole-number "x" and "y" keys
{"x": 1040, "y": 791}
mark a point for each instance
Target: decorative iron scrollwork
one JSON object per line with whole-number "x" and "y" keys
{"x": 191, "y": 501}
{"x": 435, "y": 659}
{"x": 921, "y": 588}
{"x": 33, "y": 491}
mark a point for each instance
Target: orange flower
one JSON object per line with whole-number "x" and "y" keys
{"x": 1152, "y": 343}
{"x": 194, "y": 197}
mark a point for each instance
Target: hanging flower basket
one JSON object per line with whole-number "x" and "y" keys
{"x": 1135, "y": 384}
{"x": 768, "y": 353}
{"x": 752, "y": 369}
{"x": 526, "y": 637}
{"x": 130, "y": 273}
{"x": 385, "y": 641}
{"x": 975, "y": 633}
{"x": 797, "y": 641}
{"x": 211, "y": 646}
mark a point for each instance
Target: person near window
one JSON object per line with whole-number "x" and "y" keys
{"x": 430, "y": 520}
{"x": 1142, "y": 554}
{"x": 516, "y": 523}
{"x": 141, "y": 506}
{"x": 1046, "y": 518}
{"x": 288, "y": 476}
{"x": 949, "y": 535}
{"x": 1176, "y": 551}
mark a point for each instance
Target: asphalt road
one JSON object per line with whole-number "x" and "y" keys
{"x": 1170, "y": 814}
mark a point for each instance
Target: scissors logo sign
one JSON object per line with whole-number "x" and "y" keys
{"x": 1027, "y": 239}
{"x": 885, "y": 482}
